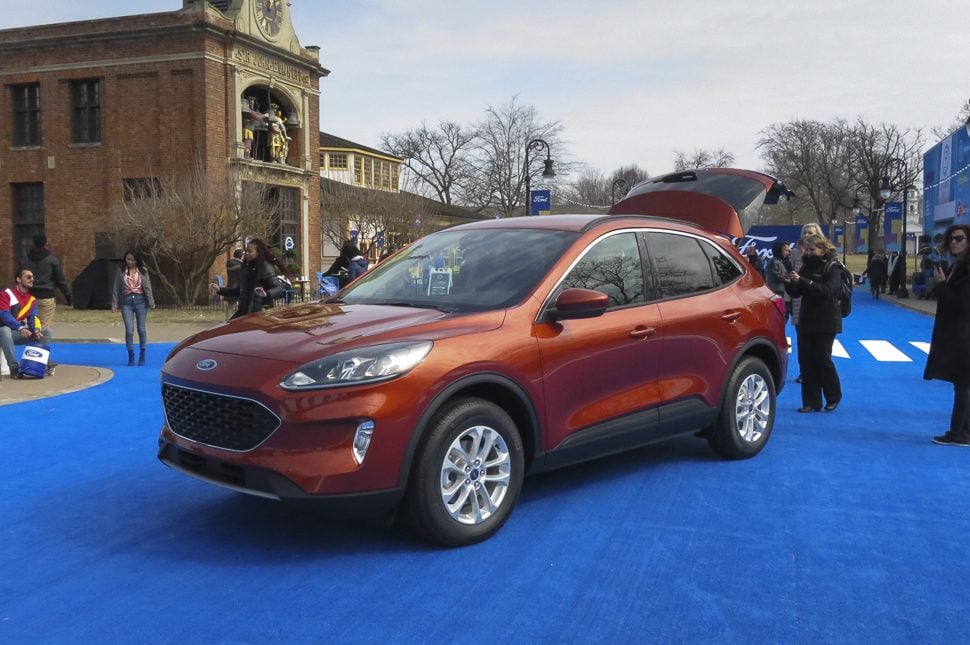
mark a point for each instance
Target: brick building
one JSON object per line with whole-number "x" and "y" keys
{"x": 101, "y": 107}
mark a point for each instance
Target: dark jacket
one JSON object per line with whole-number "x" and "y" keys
{"x": 252, "y": 275}
{"x": 819, "y": 290}
{"x": 48, "y": 274}
{"x": 357, "y": 267}
{"x": 949, "y": 357}
{"x": 877, "y": 270}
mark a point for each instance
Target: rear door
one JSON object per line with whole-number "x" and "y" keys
{"x": 705, "y": 324}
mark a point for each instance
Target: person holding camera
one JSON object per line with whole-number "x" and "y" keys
{"x": 949, "y": 356}
{"x": 819, "y": 320}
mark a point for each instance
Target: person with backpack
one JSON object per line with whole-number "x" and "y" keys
{"x": 819, "y": 284}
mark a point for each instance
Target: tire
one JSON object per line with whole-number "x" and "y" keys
{"x": 747, "y": 412}
{"x": 467, "y": 474}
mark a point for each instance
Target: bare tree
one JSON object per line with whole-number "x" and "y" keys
{"x": 184, "y": 223}
{"x": 594, "y": 189}
{"x": 398, "y": 215}
{"x": 814, "y": 159}
{"x": 499, "y": 182}
{"x": 440, "y": 158}
{"x": 702, "y": 158}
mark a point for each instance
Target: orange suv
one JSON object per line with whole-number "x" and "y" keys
{"x": 480, "y": 354}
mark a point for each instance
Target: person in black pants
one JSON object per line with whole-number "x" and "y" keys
{"x": 818, "y": 285}
{"x": 949, "y": 357}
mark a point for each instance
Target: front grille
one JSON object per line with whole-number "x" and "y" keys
{"x": 217, "y": 420}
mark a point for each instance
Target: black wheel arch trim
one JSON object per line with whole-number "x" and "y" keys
{"x": 748, "y": 351}
{"x": 449, "y": 392}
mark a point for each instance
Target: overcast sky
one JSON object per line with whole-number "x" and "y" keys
{"x": 631, "y": 81}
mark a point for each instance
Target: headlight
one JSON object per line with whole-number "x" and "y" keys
{"x": 365, "y": 365}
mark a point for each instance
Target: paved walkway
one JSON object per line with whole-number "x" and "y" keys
{"x": 70, "y": 378}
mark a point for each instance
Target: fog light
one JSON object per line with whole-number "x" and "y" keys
{"x": 362, "y": 440}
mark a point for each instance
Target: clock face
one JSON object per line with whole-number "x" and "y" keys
{"x": 269, "y": 16}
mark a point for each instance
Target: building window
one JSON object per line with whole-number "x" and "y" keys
{"x": 358, "y": 171}
{"x": 26, "y": 115}
{"x": 368, "y": 172}
{"x": 28, "y": 216}
{"x": 86, "y": 111}
{"x": 141, "y": 188}
{"x": 395, "y": 177}
{"x": 385, "y": 175}
{"x": 288, "y": 209}
{"x": 338, "y": 161}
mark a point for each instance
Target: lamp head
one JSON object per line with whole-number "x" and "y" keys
{"x": 885, "y": 190}
{"x": 548, "y": 172}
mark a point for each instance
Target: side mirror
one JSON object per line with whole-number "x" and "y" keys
{"x": 579, "y": 303}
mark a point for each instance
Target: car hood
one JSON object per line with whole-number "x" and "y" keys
{"x": 725, "y": 200}
{"x": 299, "y": 332}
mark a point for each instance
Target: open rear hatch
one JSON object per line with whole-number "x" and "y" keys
{"x": 726, "y": 200}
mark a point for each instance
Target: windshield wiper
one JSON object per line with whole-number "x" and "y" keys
{"x": 420, "y": 305}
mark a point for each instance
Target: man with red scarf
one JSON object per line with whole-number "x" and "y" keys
{"x": 20, "y": 323}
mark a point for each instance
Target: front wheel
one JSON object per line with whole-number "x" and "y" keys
{"x": 467, "y": 475}
{"x": 747, "y": 412}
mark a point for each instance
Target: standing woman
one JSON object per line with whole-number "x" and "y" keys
{"x": 778, "y": 267}
{"x": 258, "y": 284}
{"x": 133, "y": 290}
{"x": 949, "y": 357}
{"x": 818, "y": 284}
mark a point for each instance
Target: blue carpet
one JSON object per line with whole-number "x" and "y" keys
{"x": 849, "y": 527}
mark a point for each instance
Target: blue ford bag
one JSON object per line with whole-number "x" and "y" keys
{"x": 33, "y": 362}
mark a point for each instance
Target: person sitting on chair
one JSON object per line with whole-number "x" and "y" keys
{"x": 20, "y": 322}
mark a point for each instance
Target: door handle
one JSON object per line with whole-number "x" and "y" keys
{"x": 731, "y": 316}
{"x": 642, "y": 332}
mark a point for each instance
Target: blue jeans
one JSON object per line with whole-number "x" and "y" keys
{"x": 134, "y": 310}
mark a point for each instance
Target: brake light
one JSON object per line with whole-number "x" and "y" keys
{"x": 779, "y": 304}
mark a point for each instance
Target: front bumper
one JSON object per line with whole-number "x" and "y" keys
{"x": 266, "y": 483}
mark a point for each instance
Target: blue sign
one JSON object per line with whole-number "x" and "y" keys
{"x": 540, "y": 202}
{"x": 892, "y": 225}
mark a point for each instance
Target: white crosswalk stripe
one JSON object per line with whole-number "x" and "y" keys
{"x": 838, "y": 350}
{"x": 885, "y": 352}
{"x": 881, "y": 350}
{"x": 925, "y": 347}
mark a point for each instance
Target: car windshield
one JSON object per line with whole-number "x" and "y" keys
{"x": 462, "y": 270}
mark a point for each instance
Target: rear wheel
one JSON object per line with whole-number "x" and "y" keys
{"x": 747, "y": 412}
{"x": 467, "y": 475}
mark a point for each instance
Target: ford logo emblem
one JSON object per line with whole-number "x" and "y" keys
{"x": 206, "y": 364}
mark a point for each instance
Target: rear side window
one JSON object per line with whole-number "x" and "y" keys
{"x": 612, "y": 266}
{"x": 725, "y": 270}
{"x": 682, "y": 265}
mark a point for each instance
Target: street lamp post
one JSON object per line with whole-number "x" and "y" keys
{"x": 547, "y": 171}
{"x": 885, "y": 191}
{"x": 618, "y": 182}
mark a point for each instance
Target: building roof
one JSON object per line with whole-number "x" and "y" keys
{"x": 333, "y": 141}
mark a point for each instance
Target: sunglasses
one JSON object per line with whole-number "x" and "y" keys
{"x": 957, "y": 238}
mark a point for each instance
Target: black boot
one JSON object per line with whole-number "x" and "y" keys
{"x": 141, "y": 356}
{"x": 131, "y": 357}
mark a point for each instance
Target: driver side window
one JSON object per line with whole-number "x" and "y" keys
{"x": 611, "y": 266}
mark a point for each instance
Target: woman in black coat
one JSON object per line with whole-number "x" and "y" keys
{"x": 258, "y": 281}
{"x": 818, "y": 284}
{"x": 949, "y": 357}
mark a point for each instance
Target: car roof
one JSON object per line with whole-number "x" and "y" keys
{"x": 578, "y": 223}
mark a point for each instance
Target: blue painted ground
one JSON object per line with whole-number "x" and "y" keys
{"x": 849, "y": 527}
